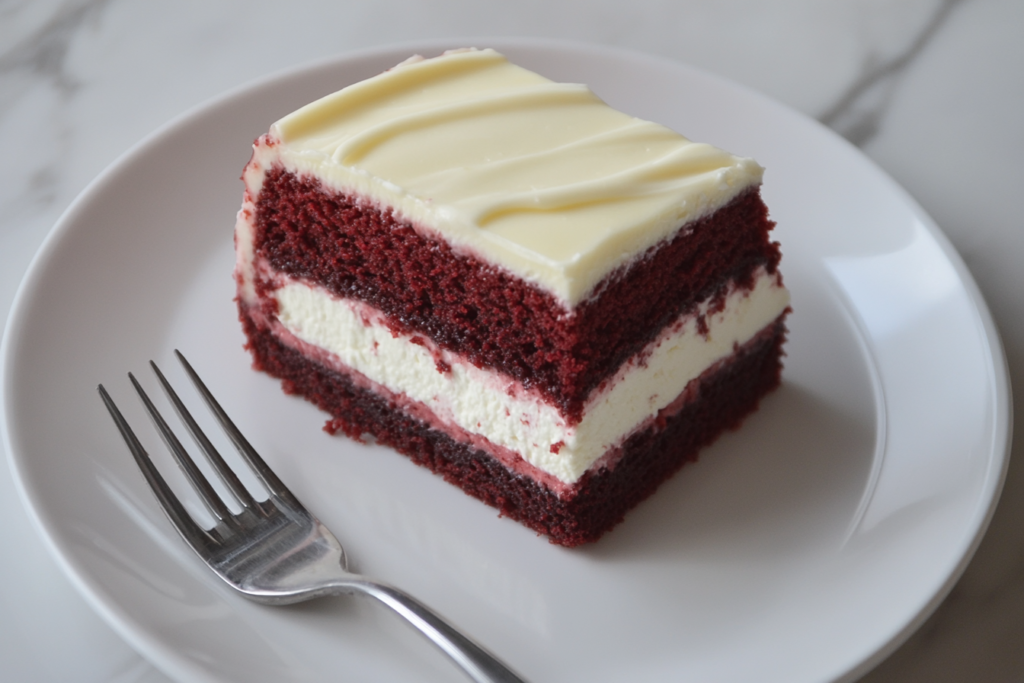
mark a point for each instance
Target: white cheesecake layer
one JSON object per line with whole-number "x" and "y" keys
{"x": 492, "y": 406}
{"x": 540, "y": 178}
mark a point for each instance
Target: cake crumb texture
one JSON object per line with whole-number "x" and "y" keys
{"x": 492, "y": 318}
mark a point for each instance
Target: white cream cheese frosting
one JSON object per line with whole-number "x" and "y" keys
{"x": 541, "y": 178}
{"x": 487, "y": 404}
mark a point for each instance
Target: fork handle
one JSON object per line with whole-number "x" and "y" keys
{"x": 478, "y": 663}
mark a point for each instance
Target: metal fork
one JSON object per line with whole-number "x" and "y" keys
{"x": 275, "y": 551}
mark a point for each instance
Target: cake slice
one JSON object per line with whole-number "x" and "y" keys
{"x": 548, "y": 302}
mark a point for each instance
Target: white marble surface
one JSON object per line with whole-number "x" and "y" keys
{"x": 932, "y": 90}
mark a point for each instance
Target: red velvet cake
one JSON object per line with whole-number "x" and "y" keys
{"x": 550, "y": 303}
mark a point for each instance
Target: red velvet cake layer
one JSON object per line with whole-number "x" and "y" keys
{"x": 717, "y": 400}
{"x": 490, "y": 317}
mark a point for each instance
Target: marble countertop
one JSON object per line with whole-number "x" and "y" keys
{"x": 931, "y": 90}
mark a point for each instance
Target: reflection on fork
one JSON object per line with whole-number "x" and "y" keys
{"x": 275, "y": 551}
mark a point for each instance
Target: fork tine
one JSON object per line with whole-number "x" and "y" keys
{"x": 168, "y": 501}
{"x": 260, "y": 468}
{"x": 195, "y": 477}
{"x": 226, "y": 473}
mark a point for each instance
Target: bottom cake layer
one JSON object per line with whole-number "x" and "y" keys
{"x": 717, "y": 400}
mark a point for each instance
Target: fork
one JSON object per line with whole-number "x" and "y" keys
{"x": 275, "y": 551}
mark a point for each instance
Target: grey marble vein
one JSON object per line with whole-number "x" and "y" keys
{"x": 40, "y": 59}
{"x": 857, "y": 114}
{"x": 43, "y": 52}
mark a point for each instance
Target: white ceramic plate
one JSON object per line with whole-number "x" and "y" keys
{"x": 801, "y": 548}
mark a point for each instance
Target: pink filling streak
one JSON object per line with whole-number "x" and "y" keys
{"x": 507, "y": 457}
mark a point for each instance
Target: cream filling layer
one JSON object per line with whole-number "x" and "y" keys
{"x": 500, "y": 410}
{"x": 541, "y": 178}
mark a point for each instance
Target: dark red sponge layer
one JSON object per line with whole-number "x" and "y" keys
{"x": 717, "y": 400}
{"x": 492, "y": 318}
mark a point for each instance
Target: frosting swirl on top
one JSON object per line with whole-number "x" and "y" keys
{"x": 541, "y": 178}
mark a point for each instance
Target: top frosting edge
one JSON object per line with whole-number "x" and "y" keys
{"x": 542, "y": 178}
